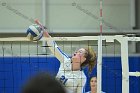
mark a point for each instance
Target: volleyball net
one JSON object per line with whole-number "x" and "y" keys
{"x": 118, "y": 72}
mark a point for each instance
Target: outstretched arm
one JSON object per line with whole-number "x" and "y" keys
{"x": 58, "y": 53}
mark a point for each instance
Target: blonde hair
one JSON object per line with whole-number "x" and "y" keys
{"x": 90, "y": 59}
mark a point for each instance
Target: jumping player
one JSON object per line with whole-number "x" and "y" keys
{"x": 70, "y": 73}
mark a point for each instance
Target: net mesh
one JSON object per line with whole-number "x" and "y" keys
{"x": 21, "y": 60}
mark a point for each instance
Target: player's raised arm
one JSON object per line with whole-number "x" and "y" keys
{"x": 60, "y": 55}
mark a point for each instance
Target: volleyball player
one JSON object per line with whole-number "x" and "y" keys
{"x": 70, "y": 73}
{"x": 93, "y": 85}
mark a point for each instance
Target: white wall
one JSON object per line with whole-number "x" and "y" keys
{"x": 15, "y": 14}
{"x": 65, "y": 15}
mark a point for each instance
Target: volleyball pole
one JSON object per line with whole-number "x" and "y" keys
{"x": 99, "y": 62}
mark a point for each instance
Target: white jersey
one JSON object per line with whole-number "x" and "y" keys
{"x": 74, "y": 81}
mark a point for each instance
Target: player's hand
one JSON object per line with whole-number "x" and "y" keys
{"x": 45, "y": 32}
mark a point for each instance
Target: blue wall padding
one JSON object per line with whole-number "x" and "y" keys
{"x": 14, "y": 71}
